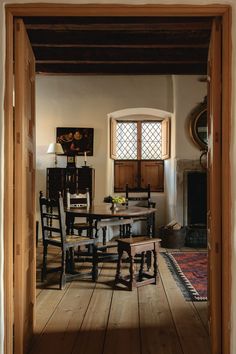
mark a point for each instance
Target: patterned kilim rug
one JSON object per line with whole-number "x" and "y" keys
{"x": 189, "y": 269}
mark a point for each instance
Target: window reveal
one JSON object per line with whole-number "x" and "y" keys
{"x": 138, "y": 148}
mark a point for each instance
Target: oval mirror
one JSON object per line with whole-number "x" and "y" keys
{"x": 198, "y": 126}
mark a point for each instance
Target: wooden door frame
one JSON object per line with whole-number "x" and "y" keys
{"x": 224, "y": 12}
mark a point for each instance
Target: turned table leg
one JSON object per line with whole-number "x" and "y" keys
{"x": 118, "y": 269}
{"x": 155, "y": 264}
{"x": 131, "y": 270}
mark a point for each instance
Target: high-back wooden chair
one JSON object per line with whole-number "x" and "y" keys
{"x": 143, "y": 200}
{"x": 54, "y": 234}
{"x": 79, "y": 200}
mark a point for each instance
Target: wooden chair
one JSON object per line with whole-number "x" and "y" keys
{"x": 79, "y": 200}
{"x": 54, "y": 234}
{"x": 144, "y": 200}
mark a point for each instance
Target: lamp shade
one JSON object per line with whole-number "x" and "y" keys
{"x": 55, "y": 148}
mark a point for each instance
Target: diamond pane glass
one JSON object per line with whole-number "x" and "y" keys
{"x": 151, "y": 141}
{"x": 126, "y": 139}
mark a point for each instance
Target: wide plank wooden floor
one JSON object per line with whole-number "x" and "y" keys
{"x": 96, "y": 318}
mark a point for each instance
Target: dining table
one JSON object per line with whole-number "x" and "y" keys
{"x": 105, "y": 211}
{"x": 96, "y": 213}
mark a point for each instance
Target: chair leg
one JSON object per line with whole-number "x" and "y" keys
{"x": 129, "y": 230}
{"x": 71, "y": 262}
{"x": 118, "y": 269}
{"x": 104, "y": 234}
{"x": 44, "y": 268}
{"x": 121, "y": 231}
{"x": 63, "y": 270}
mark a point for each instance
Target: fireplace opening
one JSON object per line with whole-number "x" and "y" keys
{"x": 196, "y": 205}
{"x": 196, "y": 198}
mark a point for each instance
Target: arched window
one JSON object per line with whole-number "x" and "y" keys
{"x": 140, "y": 141}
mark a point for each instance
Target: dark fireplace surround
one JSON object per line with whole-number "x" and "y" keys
{"x": 192, "y": 199}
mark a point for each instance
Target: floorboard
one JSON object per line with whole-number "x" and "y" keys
{"x": 123, "y": 326}
{"x": 157, "y": 328}
{"x": 98, "y": 318}
{"x": 201, "y": 308}
{"x": 90, "y": 339}
{"x": 62, "y": 329}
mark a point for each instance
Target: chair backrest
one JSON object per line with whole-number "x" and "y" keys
{"x": 52, "y": 218}
{"x": 79, "y": 200}
{"x": 145, "y": 199}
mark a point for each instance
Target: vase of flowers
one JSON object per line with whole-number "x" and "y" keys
{"x": 115, "y": 201}
{"x": 114, "y": 206}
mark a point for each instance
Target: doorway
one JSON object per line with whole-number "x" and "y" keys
{"x": 224, "y": 13}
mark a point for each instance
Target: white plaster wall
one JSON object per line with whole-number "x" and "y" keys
{"x": 85, "y": 101}
{"x": 170, "y": 191}
{"x": 233, "y": 129}
{"x": 188, "y": 92}
{"x": 169, "y": 176}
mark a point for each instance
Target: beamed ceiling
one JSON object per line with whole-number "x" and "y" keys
{"x": 119, "y": 45}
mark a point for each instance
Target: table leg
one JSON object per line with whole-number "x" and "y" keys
{"x": 131, "y": 270}
{"x": 151, "y": 225}
{"x": 118, "y": 269}
{"x": 155, "y": 263}
{"x": 90, "y": 231}
{"x": 95, "y": 264}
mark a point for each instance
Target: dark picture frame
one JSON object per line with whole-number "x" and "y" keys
{"x": 76, "y": 141}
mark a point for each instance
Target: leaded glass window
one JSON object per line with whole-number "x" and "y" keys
{"x": 126, "y": 140}
{"x": 151, "y": 141}
{"x": 138, "y": 140}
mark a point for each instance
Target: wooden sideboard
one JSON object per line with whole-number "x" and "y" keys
{"x": 76, "y": 179}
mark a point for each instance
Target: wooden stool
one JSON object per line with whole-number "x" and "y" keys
{"x": 133, "y": 246}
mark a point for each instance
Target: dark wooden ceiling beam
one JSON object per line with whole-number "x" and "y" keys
{"x": 122, "y": 69}
{"x": 115, "y": 62}
{"x": 119, "y": 38}
{"x": 119, "y": 45}
{"x": 144, "y": 46}
{"x": 120, "y": 54}
{"x": 114, "y": 19}
{"x": 121, "y": 27}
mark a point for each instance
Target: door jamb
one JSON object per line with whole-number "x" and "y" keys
{"x": 224, "y": 11}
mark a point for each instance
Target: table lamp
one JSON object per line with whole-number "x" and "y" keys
{"x": 55, "y": 148}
